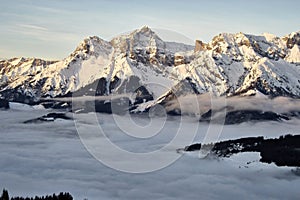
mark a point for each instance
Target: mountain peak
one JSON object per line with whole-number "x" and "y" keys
{"x": 144, "y": 31}
{"x": 92, "y": 45}
{"x": 91, "y": 40}
{"x": 143, "y": 39}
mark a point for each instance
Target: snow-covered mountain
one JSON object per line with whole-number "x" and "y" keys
{"x": 142, "y": 63}
{"x": 141, "y": 54}
{"x": 248, "y": 63}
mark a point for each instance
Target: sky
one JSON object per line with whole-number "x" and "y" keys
{"x": 51, "y": 29}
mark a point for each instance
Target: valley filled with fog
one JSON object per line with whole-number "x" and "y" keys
{"x": 73, "y": 155}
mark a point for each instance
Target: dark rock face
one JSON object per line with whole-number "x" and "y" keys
{"x": 283, "y": 151}
{"x": 116, "y": 106}
{"x": 97, "y": 88}
{"x": 16, "y": 95}
{"x": 102, "y": 87}
{"x": 292, "y": 40}
{"x": 129, "y": 85}
{"x": 184, "y": 87}
{"x": 4, "y": 104}
{"x": 200, "y": 46}
{"x": 56, "y": 105}
{"x": 142, "y": 95}
{"x": 236, "y": 117}
{"x": 49, "y": 118}
{"x": 240, "y": 116}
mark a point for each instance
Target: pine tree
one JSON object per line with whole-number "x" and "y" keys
{"x": 5, "y": 195}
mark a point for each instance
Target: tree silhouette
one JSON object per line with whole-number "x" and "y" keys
{"x": 5, "y": 195}
{"x": 61, "y": 196}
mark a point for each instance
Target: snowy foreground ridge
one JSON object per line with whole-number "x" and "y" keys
{"x": 141, "y": 63}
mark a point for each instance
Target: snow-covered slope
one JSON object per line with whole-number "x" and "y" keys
{"x": 247, "y": 63}
{"x": 140, "y": 54}
{"x": 36, "y": 78}
{"x": 231, "y": 64}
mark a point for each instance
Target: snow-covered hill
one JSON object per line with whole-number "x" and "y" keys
{"x": 142, "y": 63}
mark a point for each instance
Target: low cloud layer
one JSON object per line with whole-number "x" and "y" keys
{"x": 39, "y": 159}
{"x": 199, "y": 104}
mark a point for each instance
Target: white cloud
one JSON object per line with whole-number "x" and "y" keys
{"x": 38, "y": 32}
{"x": 33, "y": 27}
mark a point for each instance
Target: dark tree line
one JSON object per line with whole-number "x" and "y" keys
{"x": 5, "y": 195}
{"x": 283, "y": 151}
{"x": 60, "y": 196}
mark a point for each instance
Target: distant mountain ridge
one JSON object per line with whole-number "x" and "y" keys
{"x": 143, "y": 64}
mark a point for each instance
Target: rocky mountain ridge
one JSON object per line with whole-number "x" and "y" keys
{"x": 142, "y": 64}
